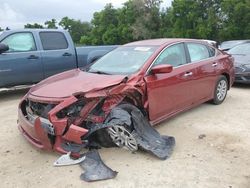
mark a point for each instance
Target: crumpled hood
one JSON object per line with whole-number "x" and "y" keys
{"x": 74, "y": 81}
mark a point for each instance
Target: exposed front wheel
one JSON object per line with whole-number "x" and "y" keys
{"x": 220, "y": 92}
{"x": 122, "y": 137}
{"x": 120, "y": 133}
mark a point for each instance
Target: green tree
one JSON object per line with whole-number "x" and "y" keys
{"x": 66, "y": 23}
{"x": 195, "y": 18}
{"x": 51, "y": 24}
{"x": 76, "y": 28}
{"x": 104, "y": 29}
{"x": 166, "y": 27}
{"x": 144, "y": 18}
{"x": 1, "y": 29}
{"x": 32, "y": 26}
{"x": 235, "y": 19}
{"x": 125, "y": 20}
{"x": 137, "y": 19}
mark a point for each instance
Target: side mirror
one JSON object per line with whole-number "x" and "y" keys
{"x": 3, "y": 48}
{"x": 160, "y": 69}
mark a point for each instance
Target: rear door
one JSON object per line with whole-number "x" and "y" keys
{"x": 170, "y": 92}
{"x": 57, "y": 55}
{"x": 202, "y": 58}
{"x": 21, "y": 64}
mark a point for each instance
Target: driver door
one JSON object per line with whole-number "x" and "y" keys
{"x": 171, "y": 92}
{"x": 21, "y": 64}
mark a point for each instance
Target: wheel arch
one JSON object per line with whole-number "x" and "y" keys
{"x": 135, "y": 102}
{"x": 228, "y": 79}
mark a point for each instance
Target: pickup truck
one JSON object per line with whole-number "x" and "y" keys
{"x": 28, "y": 56}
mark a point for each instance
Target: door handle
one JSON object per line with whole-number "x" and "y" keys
{"x": 67, "y": 54}
{"x": 33, "y": 57}
{"x": 188, "y": 74}
{"x": 214, "y": 64}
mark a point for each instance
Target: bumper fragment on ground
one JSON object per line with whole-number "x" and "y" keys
{"x": 95, "y": 169}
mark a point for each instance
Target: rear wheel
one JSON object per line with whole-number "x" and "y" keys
{"x": 220, "y": 91}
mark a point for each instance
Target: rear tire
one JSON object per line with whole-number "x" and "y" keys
{"x": 220, "y": 91}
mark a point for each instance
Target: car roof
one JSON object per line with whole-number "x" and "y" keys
{"x": 162, "y": 41}
{"x": 30, "y": 30}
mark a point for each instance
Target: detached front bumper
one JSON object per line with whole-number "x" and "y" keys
{"x": 48, "y": 135}
{"x": 28, "y": 131}
{"x": 37, "y": 135}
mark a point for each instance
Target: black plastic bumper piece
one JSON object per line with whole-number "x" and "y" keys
{"x": 149, "y": 139}
{"x": 95, "y": 169}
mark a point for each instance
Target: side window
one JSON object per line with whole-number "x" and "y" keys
{"x": 211, "y": 51}
{"x": 53, "y": 40}
{"x": 173, "y": 55}
{"x": 20, "y": 42}
{"x": 197, "y": 52}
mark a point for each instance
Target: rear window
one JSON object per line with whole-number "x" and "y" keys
{"x": 53, "y": 40}
{"x": 197, "y": 51}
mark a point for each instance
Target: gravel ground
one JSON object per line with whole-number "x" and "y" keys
{"x": 212, "y": 150}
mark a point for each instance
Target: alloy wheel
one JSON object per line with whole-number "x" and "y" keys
{"x": 122, "y": 137}
{"x": 221, "y": 90}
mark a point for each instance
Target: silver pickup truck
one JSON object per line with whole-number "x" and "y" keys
{"x": 28, "y": 56}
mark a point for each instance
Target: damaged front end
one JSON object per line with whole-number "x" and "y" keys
{"x": 113, "y": 116}
{"x": 78, "y": 122}
{"x": 66, "y": 125}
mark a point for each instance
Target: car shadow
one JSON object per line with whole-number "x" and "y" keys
{"x": 241, "y": 86}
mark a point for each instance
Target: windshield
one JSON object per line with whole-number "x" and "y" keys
{"x": 241, "y": 49}
{"x": 229, "y": 44}
{"x": 123, "y": 60}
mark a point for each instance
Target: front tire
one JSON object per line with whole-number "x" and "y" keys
{"x": 120, "y": 134}
{"x": 220, "y": 91}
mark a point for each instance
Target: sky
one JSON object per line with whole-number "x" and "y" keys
{"x": 16, "y": 13}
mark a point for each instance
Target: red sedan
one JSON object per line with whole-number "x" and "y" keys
{"x": 160, "y": 78}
